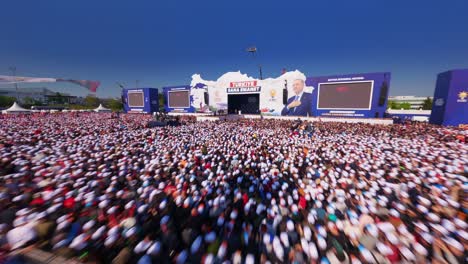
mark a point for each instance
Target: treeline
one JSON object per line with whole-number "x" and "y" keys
{"x": 89, "y": 102}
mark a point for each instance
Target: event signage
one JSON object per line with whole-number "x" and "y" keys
{"x": 290, "y": 94}
{"x": 452, "y": 89}
{"x": 268, "y": 91}
{"x": 351, "y": 95}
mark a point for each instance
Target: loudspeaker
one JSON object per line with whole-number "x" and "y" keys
{"x": 207, "y": 98}
{"x": 383, "y": 93}
{"x": 285, "y": 92}
{"x": 285, "y": 96}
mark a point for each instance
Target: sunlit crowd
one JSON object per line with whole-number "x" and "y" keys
{"x": 102, "y": 188}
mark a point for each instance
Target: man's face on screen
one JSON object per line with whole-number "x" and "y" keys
{"x": 298, "y": 86}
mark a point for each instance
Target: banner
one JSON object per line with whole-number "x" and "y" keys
{"x": 238, "y": 91}
{"x": 90, "y": 85}
{"x": 450, "y": 106}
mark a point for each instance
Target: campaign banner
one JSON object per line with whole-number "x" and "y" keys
{"x": 450, "y": 104}
{"x": 235, "y": 90}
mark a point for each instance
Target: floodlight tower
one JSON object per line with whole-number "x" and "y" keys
{"x": 253, "y": 51}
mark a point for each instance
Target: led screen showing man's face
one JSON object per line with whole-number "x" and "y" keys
{"x": 350, "y": 95}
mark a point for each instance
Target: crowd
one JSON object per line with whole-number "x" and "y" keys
{"x": 101, "y": 189}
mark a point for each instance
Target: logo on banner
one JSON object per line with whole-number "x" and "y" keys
{"x": 439, "y": 102}
{"x": 273, "y": 94}
{"x": 243, "y": 87}
{"x": 462, "y": 97}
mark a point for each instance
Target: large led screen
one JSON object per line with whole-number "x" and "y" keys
{"x": 135, "y": 99}
{"x": 179, "y": 99}
{"x": 345, "y": 95}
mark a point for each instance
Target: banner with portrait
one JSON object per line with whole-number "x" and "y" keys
{"x": 266, "y": 95}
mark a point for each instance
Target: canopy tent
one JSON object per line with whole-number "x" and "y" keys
{"x": 102, "y": 109}
{"x": 16, "y": 109}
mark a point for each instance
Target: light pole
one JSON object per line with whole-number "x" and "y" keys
{"x": 253, "y": 51}
{"x": 13, "y": 71}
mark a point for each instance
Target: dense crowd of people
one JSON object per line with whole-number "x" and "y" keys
{"x": 100, "y": 189}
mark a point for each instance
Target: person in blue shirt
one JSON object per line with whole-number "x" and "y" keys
{"x": 300, "y": 103}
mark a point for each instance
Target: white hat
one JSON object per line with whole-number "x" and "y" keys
{"x": 63, "y": 225}
{"x": 427, "y": 237}
{"x": 463, "y": 234}
{"x": 460, "y": 223}
{"x": 278, "y": 249}
{"x": 130, "y": 232}
{"x": 407, "y": 253}
{"x": 210, "y": 237}
{"x": 79, "y": 242}
{"x": 182, "y": 257}
{"x": 99, "y": 232}
{"x": 313, "y": 252}
{"x": 196, "y": 245}
{"x": 321, "y": 242}
{"x": 384, "y": 249}
{"x": 142, "y": 246}
{"x": 154, "y": 249}
{"x": 392, "y": 238}
{"x": 110, "y": 240}
{"x": 249, "y": 259}
{"x": 450, "y": 241}
{"x": 420, "y": 249}
{"x": 284, "y": 238}
{"x": 88, "y": 225}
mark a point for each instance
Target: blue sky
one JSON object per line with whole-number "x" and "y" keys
{"x": 162, "y": 43}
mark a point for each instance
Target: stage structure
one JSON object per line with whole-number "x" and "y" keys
{"x": 235, "y": 92}
{"x": 140, "y": 100}
{"x": 450, "y": 105}
{"x": 291, "y": 94}
{"x": 351, "y": 95}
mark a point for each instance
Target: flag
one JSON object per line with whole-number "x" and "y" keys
{"x": 90, "y": 85}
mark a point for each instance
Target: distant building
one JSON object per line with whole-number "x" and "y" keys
{"x": 416, "y": 102}
{"x": 42, "y": 95}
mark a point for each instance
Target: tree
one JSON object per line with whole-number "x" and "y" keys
{"x": 115, "y": 104}
{"x": 91, "y": 101}
{"x": 58, "y": 98}
{"x": 6, "y": 101}
{"x": 427, "y": 104}
{"x": 161, "y": 101}
{"x": 405, "y": 106}
{"x": 393, "y": 105}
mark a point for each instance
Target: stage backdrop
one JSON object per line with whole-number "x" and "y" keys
{"x": 140, "y": 100}
{"x": 450, "y": 105}
{"x": 351, "y": 95}
{"x": 270, "y": 92}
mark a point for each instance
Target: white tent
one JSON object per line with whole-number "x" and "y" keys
{"x": 102, "y": 109}
{"x": 16, "y": 109}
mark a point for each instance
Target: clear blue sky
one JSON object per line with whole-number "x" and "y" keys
{"x": 163, "y": 43}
